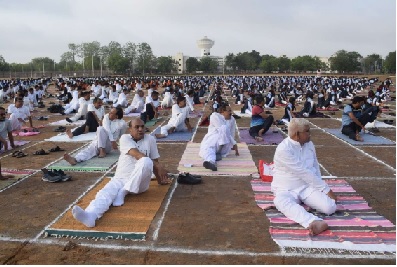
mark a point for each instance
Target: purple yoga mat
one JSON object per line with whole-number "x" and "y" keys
{"x": 269, "y": 138}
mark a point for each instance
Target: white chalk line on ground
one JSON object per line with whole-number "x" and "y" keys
{"x": 71, "y": 205}
{"x": 181, "y": 250}
{"x": 363, "y": 152}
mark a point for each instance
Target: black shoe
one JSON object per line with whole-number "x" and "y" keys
{"x": 198, "y": 177}
{"x": 69, "y": 120}
{"x": 49, "y": 176}
{"x": 61, "y": 173}
{"x": 218, "y": 156}
{"x": 184, "y": 178}
{"x": 209, "y": 165}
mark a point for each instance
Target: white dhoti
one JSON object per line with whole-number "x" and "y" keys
{"x": 178, "y": 122}
{"x": 137, "y": 182}
{"x": 82, "y": 112}
{"x": 102, "y": 141}
{"x": 288, "y": 203}
{"x": 167, "y": 101}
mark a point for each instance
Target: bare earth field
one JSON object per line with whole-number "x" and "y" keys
{"x": 216, "y": 222}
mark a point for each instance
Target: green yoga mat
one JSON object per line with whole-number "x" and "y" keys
{"x": 94, "y": 164}
{"x": 151, "y": 123}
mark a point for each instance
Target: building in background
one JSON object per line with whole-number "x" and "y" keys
{"x": 204, "y": 44}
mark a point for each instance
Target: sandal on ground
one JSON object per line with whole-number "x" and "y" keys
{"x": 15, "y": 153}
{"x": 40, "y": 152}
{"x": 21, "y": 155}
{"x": 56, "y": 149}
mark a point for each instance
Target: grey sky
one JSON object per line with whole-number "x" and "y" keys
{"x": 38, "y": 28}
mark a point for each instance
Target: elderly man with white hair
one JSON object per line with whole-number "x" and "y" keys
{"x": 297, "y": 179}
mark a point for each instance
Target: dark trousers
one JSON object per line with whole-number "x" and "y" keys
{"x": 90, "y": 122}
{"x": 148, "y": 113}
{"x": 351, "y": 129}
{"x": 266, "y": 125}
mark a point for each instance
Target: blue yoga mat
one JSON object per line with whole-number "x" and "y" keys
{"x": 368, "y": 138}
{"x": 175, "y": 136}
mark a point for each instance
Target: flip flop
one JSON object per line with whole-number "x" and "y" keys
{"x": 21, "y": 155}
{"x": 56, "y": 149}
{"x": 15, "y": 153}
{"x": 40, "y": 152}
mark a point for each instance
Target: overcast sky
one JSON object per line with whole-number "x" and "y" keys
{"x": 39, "y": 28}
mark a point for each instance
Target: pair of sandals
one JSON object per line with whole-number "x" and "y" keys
{"x": 60, "y": 129}
{"x": 42, "y": 118}
{"x": 42, "y": 152}
{"x": 33, "y": 130}
{"x": 18, "y": 154}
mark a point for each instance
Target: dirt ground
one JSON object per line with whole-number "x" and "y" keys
{"x": 216, "y": 222}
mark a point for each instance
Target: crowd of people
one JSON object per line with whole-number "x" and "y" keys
{"x": 296, "y": 176}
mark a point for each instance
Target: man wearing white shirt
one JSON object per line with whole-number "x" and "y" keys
{"x": 297, "y": 179}
{"x": 179, "y": 121}
{"x": 122, "y": 99}
{"x": 137, "y": 103}
{"x": 18, "y": 114}
{"x": 138, "y": 160}
{"x": 93, "y": 120}
{"x": 113, "y": 126}
{"x": 150, "y": 109}
{"x": 113, "y": 95}
{"x": 84, "y": 101}
{"x": 74, "y": 103}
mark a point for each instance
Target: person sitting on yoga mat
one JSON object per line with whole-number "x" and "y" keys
{"x": 113, "y": 126}
{"x": 288, "y": 111}
{"x": 354, "y": 118}
{"x": 138, "y": 160}
{"x": 94, "y": 116}
{"x": 219, "y": 140}
{"x": 18, "y": 114}
{"x": 137, "y": 103}
{"x": 297, "y": 179}
{"x": 150, "y": 110}
{"x": 260, "y": 121}
{"x": 309, "y": 108}
{"x": 5, "y": 131}
{"x": 81, "y": 114}
{"x": 179, "y": 121}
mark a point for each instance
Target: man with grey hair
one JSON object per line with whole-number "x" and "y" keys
{"x": 297, "y": 179}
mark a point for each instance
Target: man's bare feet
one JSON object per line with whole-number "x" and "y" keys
{"x": 86, "y": 129}
{"x": 317, "y": 227}
{"x": 359, "y": 138}
{"x": 70, "y": 159}
{"x": 258, "y": 138}
{"x": 69, "y": 133}
{"x": 171, "y": 130}
{"x": 102, "y": 153}
{"x": 158, "y": 136}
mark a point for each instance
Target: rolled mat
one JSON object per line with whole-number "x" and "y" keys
{"x": 129, "y": 222}
{"x": 368, "y": 138}
{"x": 354, "y": 225}
{"x": 94, "y": 164}
{"x": 18, "y": 175}
{"x": 241, "y": 165}
{"x": 269, "y": 138}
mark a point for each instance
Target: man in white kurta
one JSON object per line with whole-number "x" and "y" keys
{"x": 84, "y": 101}
{"x": 137, "y": 104}
{"x": 138, "y": 160}
{"x": 179, "y": 121}
{"x": 121, "y": 100}
{"x": 219, "y": 141}
{"x": 297, "y": 179}
{"x": 19, "y": 114}
{"x": 113, "y": 126}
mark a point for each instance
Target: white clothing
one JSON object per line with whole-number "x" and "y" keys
{"x": 121, "y": 100}
{"x": 101, "y": 141}
{"x": 5, "y": 128}
{"x": 83, "y": 109}
{"x": 189, "y": 102}
{"x": 113, "y": 96}
{"x": 115, "y": 128}
{"x": 296, "y": 179}
{"x": 131, "y": 175}
{"x": 136, "y": 105}
{"x": 74, "y": 103}
{"x": 177, "y": 120}
{"x": 167, "y": 101}
{"x": 17, "y": 113}
{"x": 100, "y": 112}
{"x": 217, "y": 140}
{"x": 148, "y": 100}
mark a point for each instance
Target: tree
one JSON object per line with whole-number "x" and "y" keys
{"x": 372, "y": 63}
{"x": 390, "y": 63}
{"x": 129, "y": 52}
{"x": 192, "y": 65}
{"x": 144, "y": 57}
{"x": 284, "y": 63}
{"x": 344, "y": 61}
{"x": 269, "y": 63}
{"x": 118, "y": 63}
{"x": 230, "y": 61}
{"x": 246, "y": 61}
{"x": 44, "y": 64}
{"x": 166, "y": 65}
{"x": 4, "y": 66}
{"x": 208, "y": 64}
{"x": 306, "y": 63}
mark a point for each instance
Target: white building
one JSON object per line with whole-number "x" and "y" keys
{"x": 205, "y": 46}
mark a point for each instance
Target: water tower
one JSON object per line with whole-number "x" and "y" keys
{"x": 205, "y": 45}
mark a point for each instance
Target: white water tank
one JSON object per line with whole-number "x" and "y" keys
{"x": 205, "y": 45}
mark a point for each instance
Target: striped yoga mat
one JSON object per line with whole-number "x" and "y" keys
{"x": 129, "y": 222}
{"x": 242, "y": 165}
{"x": 18, "y": 175}
{"x": 94, "y": 164}
{"x": 354, "y": 226}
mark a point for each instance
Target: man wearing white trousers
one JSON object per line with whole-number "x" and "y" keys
{"x": 297, "y": 179}
{"x": 219, "y": 140}
{"x": 113, "y": 127}
{"x": 19, "y": 114}
{"x": 179, "y": 121}
{"x": 137, "y": 161}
